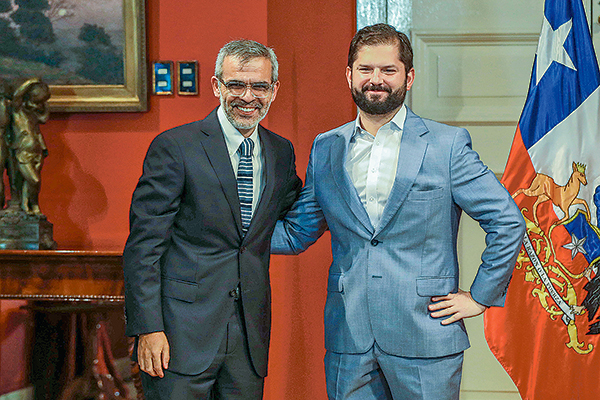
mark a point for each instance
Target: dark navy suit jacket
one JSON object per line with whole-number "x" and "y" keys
{"x": 186, "y": 250}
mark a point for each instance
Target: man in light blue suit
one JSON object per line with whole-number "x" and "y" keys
{"x": 391, "y": 187}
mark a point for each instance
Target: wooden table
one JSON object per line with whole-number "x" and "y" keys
{"x": 63, "y": 275}
{"x": 83, "y": 285}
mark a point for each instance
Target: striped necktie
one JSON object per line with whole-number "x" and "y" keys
{"x": 244, "y": 182}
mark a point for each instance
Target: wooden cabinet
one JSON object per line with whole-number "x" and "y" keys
{"x": 70, "y": 294}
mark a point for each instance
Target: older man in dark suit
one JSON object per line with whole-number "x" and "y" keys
{"x": 197, "y": 258}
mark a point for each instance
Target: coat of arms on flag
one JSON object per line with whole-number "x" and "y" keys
{"x": 548, "y": 333}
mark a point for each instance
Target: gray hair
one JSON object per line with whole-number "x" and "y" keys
{"x": 245, "y": 50}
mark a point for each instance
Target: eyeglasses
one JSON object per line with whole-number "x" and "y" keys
{"x": 260, "y": 90}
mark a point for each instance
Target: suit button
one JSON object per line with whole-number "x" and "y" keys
{"x": 242, "y": 249}
{"x": 235, "y": 293}
{"x": 374, "y": 242}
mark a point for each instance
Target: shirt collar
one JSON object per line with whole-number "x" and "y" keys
{"x": 397, "y": 122}
{"x": 233, "y": 137}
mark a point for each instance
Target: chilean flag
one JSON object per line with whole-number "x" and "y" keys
{"x": 547, "y": 336}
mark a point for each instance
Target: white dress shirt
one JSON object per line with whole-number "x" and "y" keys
{"x": 233, "y": 139}
{"x": 372, "y": 163}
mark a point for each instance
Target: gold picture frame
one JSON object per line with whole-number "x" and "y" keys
{"x": 132, "y": 95}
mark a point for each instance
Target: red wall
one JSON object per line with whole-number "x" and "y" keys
{"x": 311, "y": 39}
{"x": 95, "y": 160}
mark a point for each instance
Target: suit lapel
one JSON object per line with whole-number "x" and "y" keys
{"x": 218, "y": 156}
{"x": 268, "y": 152}
{"x": 339, "y": 154}
{"x": 412, "y": 152}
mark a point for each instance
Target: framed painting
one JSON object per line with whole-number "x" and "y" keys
{"x": 91, "y": 53}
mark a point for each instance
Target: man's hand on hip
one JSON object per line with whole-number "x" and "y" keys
{"x": 455, "y": 305}
{"x": 153, "y": 353}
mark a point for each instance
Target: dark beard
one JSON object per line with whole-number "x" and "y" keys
{"x": 393, "y": 101}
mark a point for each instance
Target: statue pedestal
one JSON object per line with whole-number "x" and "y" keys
{"x": 22, "y": 231}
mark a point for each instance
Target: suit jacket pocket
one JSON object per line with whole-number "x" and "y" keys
{"x": 335, "y": 283}
{"x": 436, "y": 286}
{"x": 180, "y": 290}
{"x": 423, "y": 195}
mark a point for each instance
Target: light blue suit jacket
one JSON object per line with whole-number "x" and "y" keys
{"x": 382, "y": 278}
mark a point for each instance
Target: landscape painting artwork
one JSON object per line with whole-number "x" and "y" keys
{"x": 90, "y": 52}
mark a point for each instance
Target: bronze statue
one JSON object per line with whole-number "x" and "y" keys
{"x": 30, "y": 109}
{"x": 22, "y": 154}
{"x": 4, "y": 126}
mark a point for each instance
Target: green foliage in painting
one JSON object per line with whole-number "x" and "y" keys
{"x": 34, "y": 25}
{"x": 5, "y": 6}
{"x": 94, "y": 35}
{"x": 39, "y": 5}
{"x": 100, "y": 60}
{"x": 9, "y": 43}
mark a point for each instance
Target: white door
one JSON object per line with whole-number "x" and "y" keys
{"x": 473, "y": 61}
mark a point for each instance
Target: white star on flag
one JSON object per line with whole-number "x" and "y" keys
{"x": 551, "y": 47}
{"x": 576, "y": 246}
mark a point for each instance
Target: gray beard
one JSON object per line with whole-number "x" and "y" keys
{"x": 244, "y": 125}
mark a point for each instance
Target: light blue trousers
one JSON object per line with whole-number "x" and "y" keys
{"x": 376, "y": 375}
